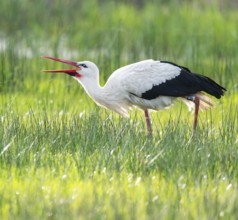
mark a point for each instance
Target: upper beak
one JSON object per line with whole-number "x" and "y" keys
{"x": 71, "y": 72}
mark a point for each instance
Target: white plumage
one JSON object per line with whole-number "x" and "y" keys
{"x": 140, "y": 77}
{"x": 148, "y": 84}
{"x": 136, "y": 79}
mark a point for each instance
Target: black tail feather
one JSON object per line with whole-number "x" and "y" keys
{"x": 210, "y": 86}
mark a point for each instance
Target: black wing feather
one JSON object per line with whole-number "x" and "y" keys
{"x": 186, "y": 83}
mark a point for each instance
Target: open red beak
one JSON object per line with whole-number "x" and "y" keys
{"x": 71, "y": 72}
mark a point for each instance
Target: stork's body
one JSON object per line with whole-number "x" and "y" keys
{"x": 148, "y": 84}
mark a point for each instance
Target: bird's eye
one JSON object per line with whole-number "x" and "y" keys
{"x": 83, "y": 65}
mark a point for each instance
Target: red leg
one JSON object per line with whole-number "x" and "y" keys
{"x": 197, "y": 102}
{"x": 148, "y": 122}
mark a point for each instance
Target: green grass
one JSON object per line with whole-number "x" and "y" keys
{"x": 62, "y": 157}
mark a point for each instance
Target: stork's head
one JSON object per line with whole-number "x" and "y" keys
{"x": 84, "y": 69}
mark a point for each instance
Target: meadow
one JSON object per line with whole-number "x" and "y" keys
{"x": 63, "y": 157}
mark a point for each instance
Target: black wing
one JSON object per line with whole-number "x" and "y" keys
{"x": 186, "y": 83}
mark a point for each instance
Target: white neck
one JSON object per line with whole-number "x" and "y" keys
{"x": 93, "y": 89}
{"x": 103, "y": 96}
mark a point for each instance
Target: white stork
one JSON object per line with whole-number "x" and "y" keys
{"x": 148, "y": 84}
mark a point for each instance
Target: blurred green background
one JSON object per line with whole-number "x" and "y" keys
{"x": 199, "y": 34}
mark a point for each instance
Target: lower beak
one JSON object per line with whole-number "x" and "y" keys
{"x": 71, "y": 72}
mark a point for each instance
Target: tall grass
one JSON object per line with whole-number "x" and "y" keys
{"x": 62, "y": 157}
